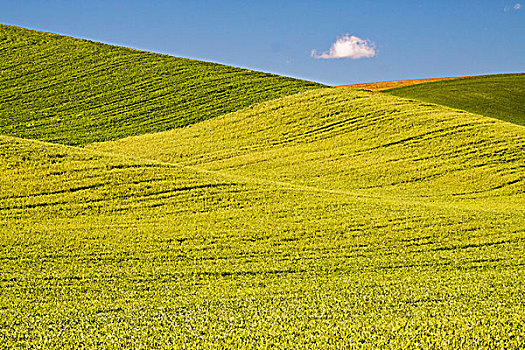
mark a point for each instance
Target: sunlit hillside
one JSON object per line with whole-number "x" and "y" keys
{"x": 185, "y": 204}
{"x": 351, "y": 140}
{"x": 101, "y": 250}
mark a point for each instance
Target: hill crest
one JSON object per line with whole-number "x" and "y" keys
{"x": 73, "y": 91}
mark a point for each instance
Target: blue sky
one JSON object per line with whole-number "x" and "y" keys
{"x": 396, "y": 39}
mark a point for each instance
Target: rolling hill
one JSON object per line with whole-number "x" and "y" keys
{"x": 351, "y": 140}
{"x": 499, "y": 96}
{"x": 72, "y": 91}
{"x": 385, "y": 169}
{"x": 283, "y": 215}
{"x": 103, "y": 250}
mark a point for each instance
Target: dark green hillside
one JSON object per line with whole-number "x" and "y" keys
{"x": 72, "y": 91}
{"x": 497, "y": 96}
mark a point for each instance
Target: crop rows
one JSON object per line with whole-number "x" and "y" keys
{"x": 499, "y": 96}
{"x": 101, "y": 250}
{"x": 331, "y": 218}
{"x": 74, "y": 92}
{"x": 349, "y": 140}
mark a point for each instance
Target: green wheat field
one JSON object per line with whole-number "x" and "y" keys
{"x": 149, "y": 201}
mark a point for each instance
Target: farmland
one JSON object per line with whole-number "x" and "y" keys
{"x": 105, "y": 250}
{"x": 350, "y": 140}
{"x": 499, "y": 96}
{"x": 72, "y": 91}
{"x": 299, "y": 217}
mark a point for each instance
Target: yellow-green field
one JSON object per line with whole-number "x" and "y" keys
{"x": 331, "y": 218}
{"x": 353, "y": 141}
{"x": 107, "y": 251}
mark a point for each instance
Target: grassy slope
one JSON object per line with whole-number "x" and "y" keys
{"x": 498, "y": 96}
{"x": 333, "y": 217}
{"x": 102, "y": 250}
{"x": 74, "y": 92}
{"x": 351, "y": 140}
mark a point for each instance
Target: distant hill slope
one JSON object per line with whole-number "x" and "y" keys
{"x": 385, "y": 85}
{"x": 351, "y": 140}
{"x": 498, "y": 96}
{"x": 72, "y": 91}
{"x": 104, "y": 249}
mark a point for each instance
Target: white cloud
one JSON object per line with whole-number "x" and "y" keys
{"x": 516, "y": 6}
{"x": 348, "y": 46}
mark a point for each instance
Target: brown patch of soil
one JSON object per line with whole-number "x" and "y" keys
{"x": 384, "y": 85}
